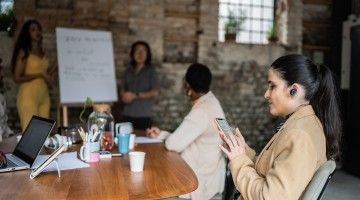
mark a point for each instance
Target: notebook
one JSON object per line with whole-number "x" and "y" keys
{"x": 29, "y": 145}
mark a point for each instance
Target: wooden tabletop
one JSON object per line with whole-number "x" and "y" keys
{"x": 165, "y": 175}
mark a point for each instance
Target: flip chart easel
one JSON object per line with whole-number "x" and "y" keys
{"x": 86, "y": 67}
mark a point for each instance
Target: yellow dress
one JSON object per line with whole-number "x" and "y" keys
{"x": 33, "y": 96}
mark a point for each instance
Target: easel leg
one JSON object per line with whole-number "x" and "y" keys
{"x": 65, "y": 116}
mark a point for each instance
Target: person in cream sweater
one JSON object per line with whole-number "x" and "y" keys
{"x": 196, "y": 138}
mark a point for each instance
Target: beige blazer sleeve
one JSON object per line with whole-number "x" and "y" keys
{"x": 250, "y": 153}
{"x": 289, "y": 164}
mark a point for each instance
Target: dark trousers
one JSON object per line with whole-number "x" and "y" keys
{"x": 139, "y": 123}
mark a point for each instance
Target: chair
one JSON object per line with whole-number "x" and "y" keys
{"x": 319, "y": 181}
{"x": 230, "y": 192}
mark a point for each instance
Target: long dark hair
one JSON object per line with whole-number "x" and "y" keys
{"x": 320, "y": 90}
{"x": 23, "y": 42}
{"x": 148, "y": 52}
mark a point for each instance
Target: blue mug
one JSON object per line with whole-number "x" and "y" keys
{"x": 123, "y": 142}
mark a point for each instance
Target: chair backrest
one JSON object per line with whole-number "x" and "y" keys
{"x": 319, "y": 181}
{"x": 230, "y": 192}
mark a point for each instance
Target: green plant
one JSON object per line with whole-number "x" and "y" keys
{"x": 8, "y": 21}
{"x": 273, "y": 34}
{"x": 233, "y": 24}
{"x": 88, "y": 103}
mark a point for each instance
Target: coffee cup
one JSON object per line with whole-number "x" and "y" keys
{"x": 137, "y": 159}
{"x": 87, "y": 149}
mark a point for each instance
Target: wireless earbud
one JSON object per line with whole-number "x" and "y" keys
{"x": 293, "y": 92}
{"x": 189, "y": 92}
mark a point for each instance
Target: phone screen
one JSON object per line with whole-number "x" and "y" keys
{"x": 224, "y": 125}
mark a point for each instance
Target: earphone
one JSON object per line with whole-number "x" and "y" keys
{"x": 293, "y": 92}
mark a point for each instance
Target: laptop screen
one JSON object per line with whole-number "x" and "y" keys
{"x": 33, "y": 138}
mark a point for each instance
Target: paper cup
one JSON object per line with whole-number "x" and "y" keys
{"x": 136, "y": 161}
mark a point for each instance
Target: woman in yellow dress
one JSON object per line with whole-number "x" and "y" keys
{"x": 31, "y": 70}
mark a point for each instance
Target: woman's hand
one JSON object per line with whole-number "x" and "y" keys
{"x": 128, "y": 97}
{"x": 46, "y": 77}
{"x": 234, "y": 144}
{"x": 153, "y": 132}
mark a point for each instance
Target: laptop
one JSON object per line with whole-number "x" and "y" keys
{"x": 29, "y": 145}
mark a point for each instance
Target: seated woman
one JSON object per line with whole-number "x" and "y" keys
{"x": 305, "y": 94}
{"x": 196, "y": 138}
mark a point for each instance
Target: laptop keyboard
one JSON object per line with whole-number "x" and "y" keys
{"x": 13, "y": 161}
{"x": 10, "y": 163}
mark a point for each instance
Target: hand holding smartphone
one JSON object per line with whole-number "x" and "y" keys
{"x": 224, "y": 126}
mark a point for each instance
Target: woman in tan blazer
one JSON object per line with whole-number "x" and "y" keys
{"x": 305, "y": 94}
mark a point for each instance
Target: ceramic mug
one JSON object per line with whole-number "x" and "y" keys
{"x": 87, "y": 148}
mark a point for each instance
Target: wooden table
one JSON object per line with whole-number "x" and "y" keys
{"x": 165, "y": 175}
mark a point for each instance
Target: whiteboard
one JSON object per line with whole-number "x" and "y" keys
{"x": 86, "y": 65}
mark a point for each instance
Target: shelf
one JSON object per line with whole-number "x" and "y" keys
{"x": 180, "y": 39}
{"x": 312, "y": 24}
{"x": 180, "y": 15}
{"x": 316, "y": 47}
{"x": 317, "y": 2}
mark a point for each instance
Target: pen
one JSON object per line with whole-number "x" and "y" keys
{"x": 95, "y": 136}
{"x": 116, "y": 154}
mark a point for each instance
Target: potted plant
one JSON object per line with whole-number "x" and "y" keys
{"x": 272, "y": 34}
{"x": 233, "y": 26}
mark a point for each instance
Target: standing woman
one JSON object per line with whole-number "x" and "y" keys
{"x": 31, "y": 69}
{"x": 306, "y": 95}
{"x": 139, "y": 87}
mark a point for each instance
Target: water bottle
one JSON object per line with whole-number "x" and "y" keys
{"x": 101, "y": 123}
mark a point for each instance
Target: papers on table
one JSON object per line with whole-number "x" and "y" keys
{"x": 143, "y": 140}
{"x": 65, "y": 160}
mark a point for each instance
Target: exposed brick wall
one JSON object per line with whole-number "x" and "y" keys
{"x": 179, "y": 32}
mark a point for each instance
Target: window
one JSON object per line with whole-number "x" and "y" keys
{"x": 6, "y": 5}
{"x": 251, "y": 20}
{"x": 7, "y": 18}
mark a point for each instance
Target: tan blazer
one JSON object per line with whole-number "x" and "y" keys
{"x": 287, "y": 163}
{"x": 197, "y": 140}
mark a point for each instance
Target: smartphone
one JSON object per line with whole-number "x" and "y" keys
{"x": 47, "y": 162}
{"x": 224, "y": 125}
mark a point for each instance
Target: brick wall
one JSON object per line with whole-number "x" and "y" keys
{"x": 179, "y": 32}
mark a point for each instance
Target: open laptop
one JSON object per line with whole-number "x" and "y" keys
{"x": 29, "y": 145}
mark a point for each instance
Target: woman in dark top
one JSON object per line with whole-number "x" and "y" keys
{"x": 139, "y": 87}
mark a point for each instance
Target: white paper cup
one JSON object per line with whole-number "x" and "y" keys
{"x": 136, "y": 161}
{"x": 132, "y": 141}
